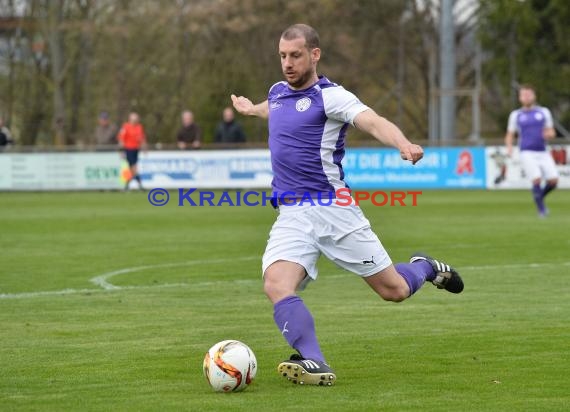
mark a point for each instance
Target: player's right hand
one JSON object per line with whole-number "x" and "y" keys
{"x": 242, "y": 104}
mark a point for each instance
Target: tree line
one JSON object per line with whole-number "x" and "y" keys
{"x": 64, "y": 61}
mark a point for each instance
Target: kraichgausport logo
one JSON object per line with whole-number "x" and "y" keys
{"x": 341, "y": 197}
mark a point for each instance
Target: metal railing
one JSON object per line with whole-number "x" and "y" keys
{"x": 356, "y": 143}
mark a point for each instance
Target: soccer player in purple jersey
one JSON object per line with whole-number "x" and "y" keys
{"x": 533, "y": 125}
{"x": 308, "y": 116}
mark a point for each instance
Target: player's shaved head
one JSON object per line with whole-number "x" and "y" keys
{"x": 527, "y": 86}
{"x": 304, "y": 31}
{"x": 527, "y": 95}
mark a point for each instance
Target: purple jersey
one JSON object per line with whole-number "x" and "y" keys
{"x": 306, "y": 136}
{"x": 529, "y": 125}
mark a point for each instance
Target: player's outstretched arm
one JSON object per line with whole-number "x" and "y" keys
{"x": 511, "y": 130}
{"x": 244, "y": 106}
{"x": 548, "y": 132}
{"x": 509, "y": 139}
{"x": 389, "y": 134}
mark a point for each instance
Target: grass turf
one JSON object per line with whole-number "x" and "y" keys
{"x": 188, "y": 277}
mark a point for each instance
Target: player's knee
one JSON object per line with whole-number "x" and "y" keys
{"x": 395, "y": 294}
{"x": 269, "y": 287}
{"x": 400, "y": 294}
{"x": 274, "y": 289}
{"x": 281, "y": 279}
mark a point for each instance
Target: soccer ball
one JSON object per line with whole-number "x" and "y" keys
{"x": 229, "y": 366}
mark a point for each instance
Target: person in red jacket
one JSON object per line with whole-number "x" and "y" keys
{"x": 131, "y": 139}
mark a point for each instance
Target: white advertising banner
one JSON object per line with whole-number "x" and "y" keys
{"x": 216, "y": 169}
{"x": 59, "y": 171}
{"x": 505, "y": 172}
{"x": 219, "y": 169}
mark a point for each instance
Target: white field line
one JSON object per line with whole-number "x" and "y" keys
{"x": 515, "y": 266}
{"x": 103, "y": 283}
{"x": 101, "y": 280}
{"x": 25, "y": 295}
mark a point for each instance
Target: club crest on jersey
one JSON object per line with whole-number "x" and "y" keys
{"x": 303, "y": 104}
{"x": 538, "y": 116}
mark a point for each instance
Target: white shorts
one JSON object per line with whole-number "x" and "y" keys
{"x": 341, "y": 233}
{"x": 538, "y": 165}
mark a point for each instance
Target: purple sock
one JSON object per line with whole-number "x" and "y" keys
{"x": 538, "y": 199}
{"x": 547, "y": 189}
{"x": 298, "y": 327}
{"x": 415, "y": 274}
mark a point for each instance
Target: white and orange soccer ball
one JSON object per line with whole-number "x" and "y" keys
{"x": 230, "y": 366}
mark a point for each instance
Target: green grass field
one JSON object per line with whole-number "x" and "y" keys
{"x": 179, "y": 279}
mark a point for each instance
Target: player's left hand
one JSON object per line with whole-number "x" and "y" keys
{"x": 412, "y": 152}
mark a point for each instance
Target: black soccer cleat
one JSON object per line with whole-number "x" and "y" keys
{"x": 306, "y": 371}
{"x": 445, "y": 276}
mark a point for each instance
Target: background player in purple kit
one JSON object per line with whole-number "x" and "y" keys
{"x": 308, "y": 116}
{"x": 533, "y": 124}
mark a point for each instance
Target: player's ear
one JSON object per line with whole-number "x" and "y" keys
{"x": 315, "y": 54}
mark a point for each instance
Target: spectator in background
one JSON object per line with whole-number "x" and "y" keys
{"x": 228, "y": 130}
{"x": 105, "y": 132}
{"x": 5, "y": 136}
{"x": 131, "y": 139}
{"x": 189, "y": 133}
